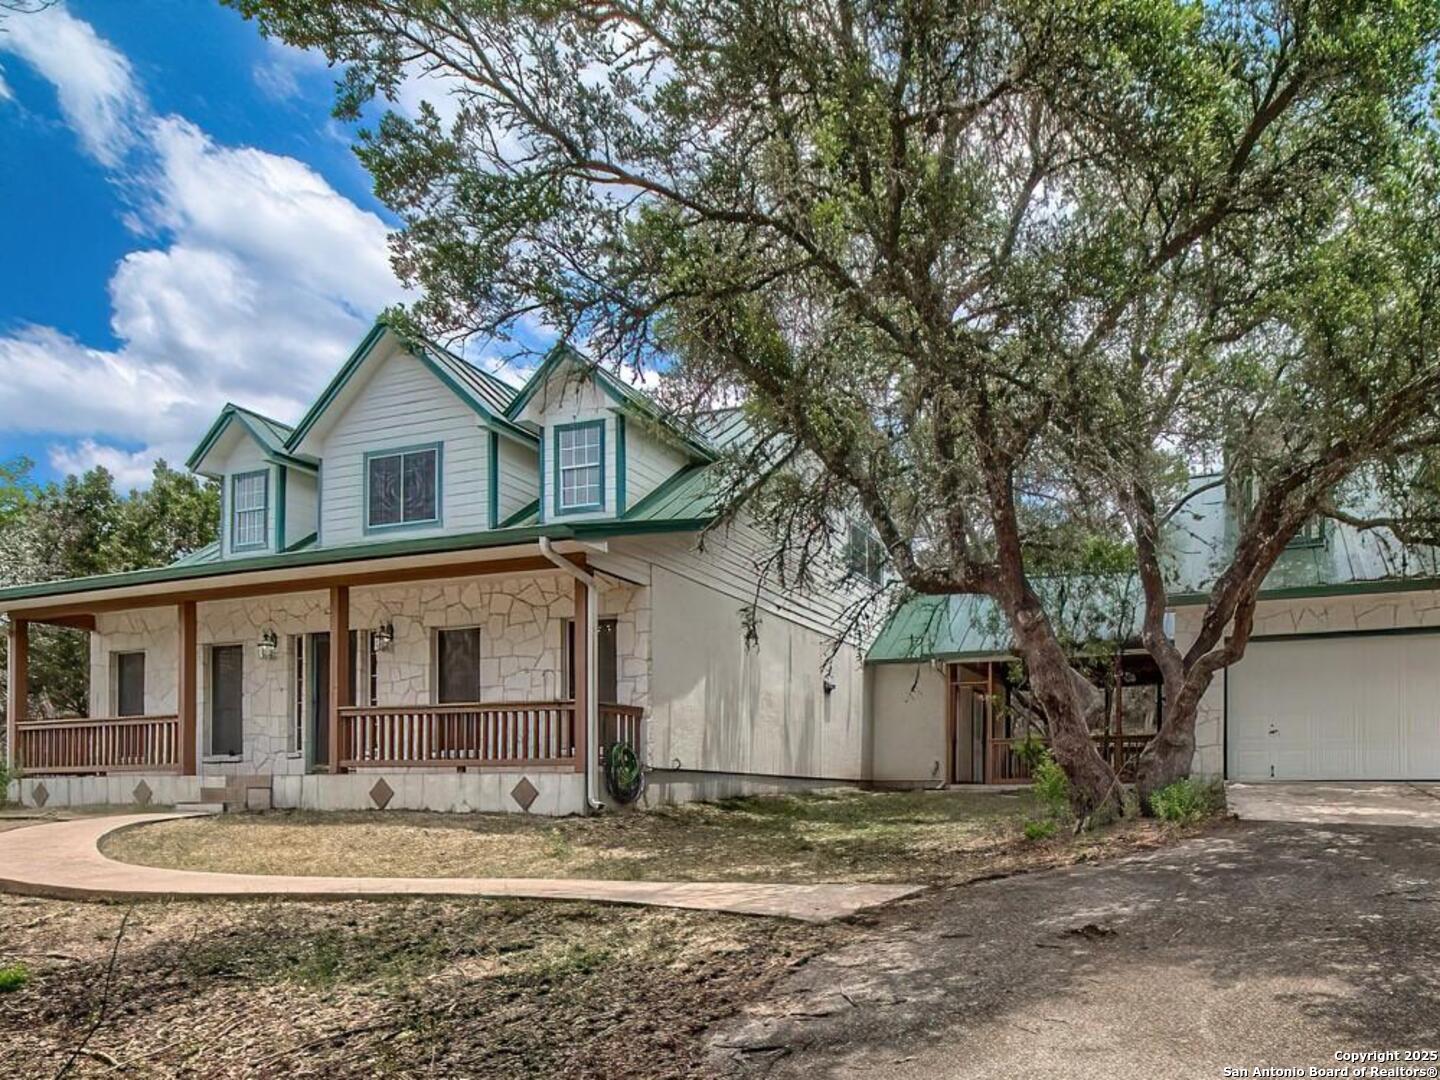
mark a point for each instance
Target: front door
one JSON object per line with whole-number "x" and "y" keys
{"x": 226, "y": 699}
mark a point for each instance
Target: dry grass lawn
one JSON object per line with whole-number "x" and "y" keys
{"x": 378, "y": 988}
{"x": 843, "y": 835}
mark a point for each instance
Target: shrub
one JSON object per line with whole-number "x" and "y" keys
{"x": 1051, "y": 787}
{"x": 1031, "y": 751}
{"x": 13, "y": 977}
{"x": 1187, "y": 801}
{"x": 1040, "y": 830}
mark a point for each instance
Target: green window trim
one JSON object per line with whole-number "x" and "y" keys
{"x": 579, "y": 508}
{"x": 431, "y": 522}
{"x": 493, "y": 481}
{"x": 619, "y": 463}
{"x": 263, "y": 509}
{"x": 280, "y": 481}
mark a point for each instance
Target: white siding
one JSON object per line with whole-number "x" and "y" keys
{"x": 402, "y": 404}
{"x": 722, "y": 705}
{"x": 650, "y": 460}
{"x": 301, "y": 506}
{"x": 245, "y": 457}
{"x": 567, "y": 400}
{"x": 907, "y": 723}
{"x": 518, "y": 475}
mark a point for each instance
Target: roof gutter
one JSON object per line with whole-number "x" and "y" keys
{"x": 592, "y": 655}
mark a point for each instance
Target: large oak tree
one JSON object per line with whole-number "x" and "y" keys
{"x": 992, "y": 273}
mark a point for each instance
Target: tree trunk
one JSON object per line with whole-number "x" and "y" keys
{"x": 1168, "y": 756}
{"x": 1054, "y": 682}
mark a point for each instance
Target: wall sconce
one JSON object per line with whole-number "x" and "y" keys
{"x": 828, "y": 685}
{"x": 383, "y": 636}
{"x": 268, "y": 646}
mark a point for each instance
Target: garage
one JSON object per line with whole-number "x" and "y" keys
{"x": 1335, "y": 707}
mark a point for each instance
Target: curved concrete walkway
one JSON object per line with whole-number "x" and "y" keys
{"x": 63, "y": 860}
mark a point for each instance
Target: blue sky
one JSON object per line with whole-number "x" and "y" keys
{"x": 182, "y": 223}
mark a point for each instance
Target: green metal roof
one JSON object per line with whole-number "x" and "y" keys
{"x": 210, "y": 553}
{"x": 624, "y": 395}
{"x": 488, "y": 396}
{"x": 269, "y": 434}
{"x": 1085, "y": 607}
{"x": 666, "y": 511}
{"x": 1201, "y": 539}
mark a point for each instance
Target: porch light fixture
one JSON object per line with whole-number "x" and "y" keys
{"x": 268, "y": 646}
{"x": 828, "y": 685}
{"x": 383, "y": 636}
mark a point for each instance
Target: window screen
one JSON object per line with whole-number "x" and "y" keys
{"x": 458, "y": 664}
{"x": 247, "y": 516}
{"x": 403, "y": 487}
{"x": 130, "y": 684}
{"x": 578, "y": 453}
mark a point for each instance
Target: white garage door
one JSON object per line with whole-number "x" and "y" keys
{"x": 1341, "y": 708}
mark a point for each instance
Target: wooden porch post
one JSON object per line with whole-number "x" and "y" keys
{"x": 581, "y": 663}
{"x": 187, "y": 663}
{"x": 342, "y": 686}
{"x": 17, "y": 699}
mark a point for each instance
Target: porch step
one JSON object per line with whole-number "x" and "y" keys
{"x": 200, "y": 808}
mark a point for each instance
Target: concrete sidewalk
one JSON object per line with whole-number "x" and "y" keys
{"x": 1413, "y": 804}
{"x": 62, "y": 859}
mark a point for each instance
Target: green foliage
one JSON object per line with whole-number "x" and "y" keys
{"x": 1031, "y": 752}
{"x": 82, "y": 526}
{"x": 1188, "y": 801}
{"x": 1051, "y": 787}
{"x": 13, "y": 977}
{"x": 995, "y": 274}
{"x": 1041, "y": 829}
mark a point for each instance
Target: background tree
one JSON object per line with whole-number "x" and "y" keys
{"x": 986, "y": 272}
{"x": 81, "y": 526}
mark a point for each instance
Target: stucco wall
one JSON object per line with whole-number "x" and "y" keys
{"x": 520, "y": 619}
{"x": 723, "y": 705}
{"x": 907, "y": 723}
{"x": 1370, "y": 611}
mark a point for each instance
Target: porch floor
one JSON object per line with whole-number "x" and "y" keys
{"x": 62, "y": 859}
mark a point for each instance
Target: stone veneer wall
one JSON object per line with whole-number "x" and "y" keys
{"x": 520, "y": 618}
{"x": 1371, "y": 611}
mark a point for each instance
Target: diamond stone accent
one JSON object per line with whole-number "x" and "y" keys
{"x": 39, "y": 795}
{"x": 143, "y": 795}
{"x": 525, "y": 793}
{"x": 381, "y": 794}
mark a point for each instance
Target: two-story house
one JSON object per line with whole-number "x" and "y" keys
{"x": 439, "y": 591}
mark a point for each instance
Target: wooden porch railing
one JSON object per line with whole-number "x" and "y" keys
{"x": 622, "y": 723}
{"x": 471, "y": 734}
{"x": 98, "y": 745}
{"x": 1005, "y": 766}
{"x": 475, "y": 734}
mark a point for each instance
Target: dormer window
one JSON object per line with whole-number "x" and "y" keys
{"x": 402, "y": 487}
{"x": 249, "y": 509}
{"x": 580, "y": 467}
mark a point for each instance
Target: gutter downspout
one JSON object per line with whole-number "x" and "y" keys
{"x": 592, "y": 683}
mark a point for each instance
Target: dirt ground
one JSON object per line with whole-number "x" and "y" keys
{"x": 845, "y": 835}
{"x": 1256, "y": 945}
{"x": 461, "y": 988}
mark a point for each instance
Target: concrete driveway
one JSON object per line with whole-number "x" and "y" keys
{"x": 1261, "y": 944}
{"x": 1412, "y": 804}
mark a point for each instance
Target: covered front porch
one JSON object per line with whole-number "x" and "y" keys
{"x": 463, "y": 684}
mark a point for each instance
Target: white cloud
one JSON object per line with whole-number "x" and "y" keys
{"x": 94, "y": 82}
{"x": 6, "y": 94}
{"x": 258, "y": 280}
{"x": 131, "y": 468}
